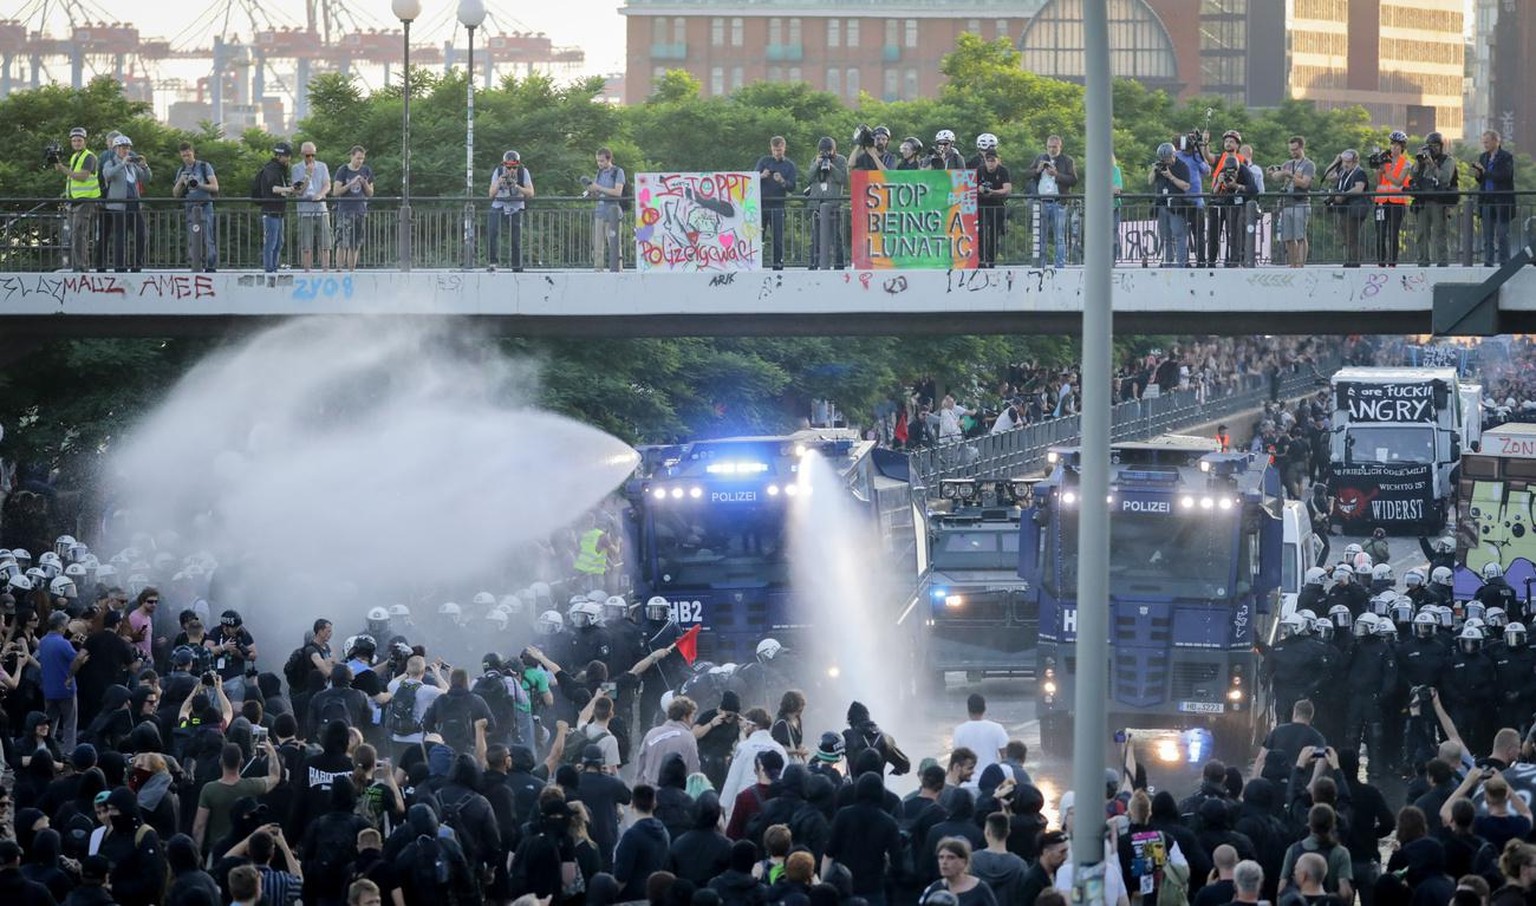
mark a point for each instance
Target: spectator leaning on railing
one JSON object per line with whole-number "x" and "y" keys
{"x": 1348, "y": 201}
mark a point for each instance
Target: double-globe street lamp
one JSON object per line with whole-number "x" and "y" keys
{"x": 406, "y": 11}
{"x": 471, "y": 15}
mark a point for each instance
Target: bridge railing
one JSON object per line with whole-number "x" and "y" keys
{"x": 1021, "y": 452}
{"x": 557, "y": 233}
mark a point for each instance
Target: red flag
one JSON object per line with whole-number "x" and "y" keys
{"x": 688, "y": 645}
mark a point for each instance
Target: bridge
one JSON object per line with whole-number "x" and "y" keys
{"x": 797, "y": 302}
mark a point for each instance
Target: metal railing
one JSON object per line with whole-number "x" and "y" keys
{"x": 1020, "y": 452}
{"x": 557, "y": 233}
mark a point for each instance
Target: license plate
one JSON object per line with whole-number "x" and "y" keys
{"x": 1202, "y": 707}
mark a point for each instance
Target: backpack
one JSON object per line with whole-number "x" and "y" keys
{"x": 296, "y": 669}
{"x": 257, "y": 188}
{"x": 627, "y": 196}
{"x": 453, "y": 720}
{"x": 1174, "y": 891}
{"x": 493, "y": 688}
{"x": 335, "y": 708}
{"x": 572, "y": 754}
{"x": 430, "y": 870}
{"x": 401, "y": 718}
{"x": 905, "y": 865}
{"x": 454, "y": 815}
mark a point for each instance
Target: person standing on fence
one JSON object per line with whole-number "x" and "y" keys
{"x": 1293, "y": 180}
{"x": 353, "y": 186}
{"x": 81, "y": 185}
{"x": 778, "y": 183}
{"x": 271, "y": 190}
{"x": 1495, "y": 172}
{"x": 126, "y": 173}
{"x": 1391, "y": 196}
{"x": 197, "y": 184}
{"x": 828, "y": 176}
{"x": 312, "y": 185}
{"x": 993, "y": 186}
{"x": 511, "y": 186}
{"x": 608, "y": 188}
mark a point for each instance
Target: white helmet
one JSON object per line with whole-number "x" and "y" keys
{"x": 378, "y": 613}
{"x": 62, "y": 544}
{"x": 77, "y": 552}
{"x": 1293, "y": 624}
{"x": 399, "y": 610}
{"x": 22, "y": 557}
{"x": 497, "y": 616}
{"x": 1492, "y": 570}
{"x": 1363, "y": 559}
{"x": 1425, "y": 623}
{"x": 1447, "y": 616}
{"x": 63, "y": 587}
{"x": 1306, "y": 613}
{"x": 1413, "y": 578}
{"x": 1351, "y": 549}
{"x": 8, "y": 568}
{"x": 1386, "y": 629}
{"x": 1323, "y": 628}
{"x": 484, "y": 599}
{"x": 575, "y": 599}
{"x": 986, "y": 142}
{"x": 1475, "y": 622}
{"x": 19, "y": 584}
{"x": 1514, "y": 635}
{"x": 1496, "y": 617}
{"x": 657, "y": 609}
{"x": 768, "y": 649}
{"x": 1381, "y": 572}
{"x": 450, "y": 609}
{"x": 944, "y": 135}
{"x": 1315, "y": 575}
{"x": 666, "y": 699}
{"x": 541, "y": 595}
{"x": 1470, "y": 639}
{"x": 615, "y": 609}
{"x": 1343, "y": 573}
{"x": 550, "y": 622}
{"x": 1381, "y": 604}
{"x": 510, "y": 604}
{"x": 597, "y": 596}
{"x": 1364, "y": 626}
{"x": 1340, "y": 616}
{"x": 585, "y": 614}
{"x": 1440, "y": 575}
{"x": 50, "y": 564}
{"x": 1363, "y": 570}
{"x": 1474, "y": 610}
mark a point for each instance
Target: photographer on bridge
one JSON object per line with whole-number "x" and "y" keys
{"x": 1227, "y": 209}
{"x": 1392, "y": 199}
{"x": 1433, "y": 186}
{"x": 81, "y": 185}
{"x": 197, "y": 184}
{"x": 125, "y": 174}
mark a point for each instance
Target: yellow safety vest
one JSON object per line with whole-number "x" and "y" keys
{"x": 89, "y": 187}
{"x": 590, "y": 560}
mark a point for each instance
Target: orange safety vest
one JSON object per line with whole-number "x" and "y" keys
{"x": 1221, "y": 164}
{"x": 1226, "y": 442}
{"x": 1392, "y": 182}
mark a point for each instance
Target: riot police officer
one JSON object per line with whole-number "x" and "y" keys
{"x": 1496, "y": 590}
{"x": 658, "y": 630}
{"x": 1294, "y": 665}
{"x": 1441, "y": 553}
{"x": 1514, "y": 668}
{"x": 1370, "y": 678}
{"x": 1469, "y": 677}
{"x": 1417, "y": 591}
{"x": 1440, "y": 579}
{"x": 1382, "y": 579}
{"x": 1347, "y": 591}
{"x": 1313, "y": 592}
{"x": 1341, "y": 628}
{"x": 589, "y": 639}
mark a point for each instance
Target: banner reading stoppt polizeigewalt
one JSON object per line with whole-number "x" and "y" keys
{"x": 914, "y": 219}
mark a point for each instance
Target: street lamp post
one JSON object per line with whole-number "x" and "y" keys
{"x": 471, "y": 14}
{"x": 406, "y": 11}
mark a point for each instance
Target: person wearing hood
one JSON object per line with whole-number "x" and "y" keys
{"x": 675, "y": 809}
{"x": 867, "y": 762}
{"x": 133, "y": 849}
{"x": 736, "y": 886}
{"x": 330, "y": 844}
{"x": 37, "y": 738}
{"x": 959, "y": 824}
{"x": 15, "y": 889}
{"x": 43, "y": 864}
{"x": 95, "y": 887}
{"x": 312, "y": 788}
{"x": 481, "y": 838}
{"x": 29, "y": 822}
{"x": 432, "y": 868}
{"x": 1371, "y": 820}
{"x": 546, "y": 846}
{"x": 152, "y": 782}
{"x": 1215, "y": 823}
{"x": 863, "y": 733}
{"x": 1001, "y": 870}
{"x": 785, "y": 797}
{"x": 811, "y": 826}
{"x": 644, "y": 847}
{"x": 702, "y": 852}
{"x": 1165, "y": 818}
{"x": 864, "y": 836}
{"x": 768, "y": 765}
{"x": 1258, "y": 819}
{"x": 188, "y": 880}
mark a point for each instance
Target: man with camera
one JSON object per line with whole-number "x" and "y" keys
{"x": 354, "y": 186}
{"x": 1348, "y": 201}
{"x": 1170, "y": 182}
{"x": 1231, "y": 187}
{"x": 271, "y": 190}
{"x": 1392, "y": 199}
{"x": 126, "y": 174}
{"x": 312, "y": 184}
{"x": 829, "y": 175}
{"x": 779, "y": 175}
{"x": 1190, "y": 149}
{"x": 80, "y": 186}
{"x": 1293, "y": 181}
{"x": 608, "y": 188}
{"x": 1051, "y": 178}
{"x": 197, "y": 184}
{"x": 945, "y": 155}
{"x": 993, "y": 186}
{"x": 1433, "y": 185}
{"x": 869, "y": 148}
{"x": 1495, "y": 172}
{"x": 511, "y": 187}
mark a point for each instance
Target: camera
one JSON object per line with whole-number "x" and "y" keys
{"x": 192, "y": 182}
{"x": 52, "y": 154}
{"x": 1161, "y": 166}
{"x": 1423, "y": 153}
{"x": 863, "y": 136}
{"x": 936, "y": 161}
{"x": 1422, "y": 695}
{"x": 258, "y": 734}
{"x": 584, "y": 180}
{"x": 210, "y": 678}
{"x": 1378, "y": 158}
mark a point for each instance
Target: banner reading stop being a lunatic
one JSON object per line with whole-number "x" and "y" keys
{"x": 693, "y": 222}
{"x": 914, "y": 219}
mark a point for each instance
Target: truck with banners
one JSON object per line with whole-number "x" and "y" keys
{"x": 1195, "y": 564}
{"x": 1396, "y": 438}
{"x": 709, "y": 529}
{"x": 976, "y": 614}
{"x": 1496, "y": 519}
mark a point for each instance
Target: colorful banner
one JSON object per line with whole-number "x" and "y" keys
{"x": 914, "y": 219}
{"x": 692, "y": 222}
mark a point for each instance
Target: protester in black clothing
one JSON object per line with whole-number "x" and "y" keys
{"x": 339, "y": 701}
{"x": 188, "y": 880}
{"x": 735, "y": 885}
{"x": 478, "y": 831}
{"x": 1042, "y": 873}
{"x": 432, "y": 869}
{"x": 718, "y": 730}
{"x": 701, "y": 852}
{"x": 329, "y": 846}
{"x": 643, "y": 848}
{"x": 993, "y": 186}
{"x": 1165, "y": 818}
{"x": 1220, "y": 889}
{"x": 459, "y": 715}
{"x": 864, "y": 837}
{"x": 603, "y": 793}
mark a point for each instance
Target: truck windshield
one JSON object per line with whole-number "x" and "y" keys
{"x": 1392, "y": 444}
{"x": 977, "y": 550}
{"x": 721, "y": 546}
{"x": 1178, "y": 556}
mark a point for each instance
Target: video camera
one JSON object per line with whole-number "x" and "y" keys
{"x": 1378, "y": 158}
{"x": 1424, "y": 153}
{"x": 863, "y": 136}
{"x": 1422, "y": 695}
{"x": 52, "y": 154}
{"x": 936, "y": 161}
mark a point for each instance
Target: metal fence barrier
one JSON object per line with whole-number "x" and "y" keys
{"x": 557, "y": 233}
{"x": 1020, "y": 452}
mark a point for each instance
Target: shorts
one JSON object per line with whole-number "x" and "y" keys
{"x": 349, "y": 231}
{"x": 315, "y": 231}
{"x": 1293, "y": 222}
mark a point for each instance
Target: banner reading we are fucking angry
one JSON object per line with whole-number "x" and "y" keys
{"x": 914, "y": 219}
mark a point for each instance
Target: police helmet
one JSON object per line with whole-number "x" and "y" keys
{"x": 575, "y": 599}
{"x": 1363, "y": 570}
{"x": 1425, "y": 623}
{"x": 1343, "y": 574}
{"x": 1514, "y": 635}
{"x": 767, "y": 650}
{"x": 450, "y": 609}
{"x": 105, "y": 573}
{"x": 1381, "y": 604}
{"x": 1362, "y": 560}
{"x": 1308, "y": 614}
{"x": 39, "y": 576}
{"x": 1413, "y": 578}
{"x": 1474, "y": 610}
{"x": 1315, "y": 575}
{"x": 1293, "y": 625}
{"x": 484, "y": 599}
{"x": 1381, "y": 572}
{"x": 1364, "y": 626}
{"x": 1444, "y": 544}
{"x": 1385, "y": 629}
{"x": 550, "y": 622}
{"x": 62, "y": 544}
{"x": 63, "y": 587}
{"x": 1492, "y": 570}
{"x": 1351, "y": 549}
{"x": 586, "y": 614}
{"x": 1440, "y": 575}
{"x": 8, "y": 568}
{"x": 19, "y": 584}
{"x": 230, "y": 619}
{"x": 541, "y": 596}
{"x": 1470, "y": 640}
{"x": 77, "y": 552}
{"x": 378, "y": 620}
{"x": 1496, "y": 617}
{"x": 1340, "y": 616}
{"x": 986, "y": 142}
{"x": 400, "y": 610}
{"x": 615, "y": 609}
{"x": 22, "y": 556}
{"x": 1323, "y": 629}
{"x": 597, "y": 596}
{"x": 944, "y": 135}
{"x": 510, "y": 604}
{"x": 1447, "y": 616}
{"x": 497, "y": 616}
{"x": 657, "y": 609}
{"x": 361, "y": 647}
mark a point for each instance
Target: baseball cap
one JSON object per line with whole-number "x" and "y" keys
{"x": 592, "y": 755}
{"x": 282, "y": 148}
{"x": 122, "y": 140}
{"x": 77, "y": 132}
